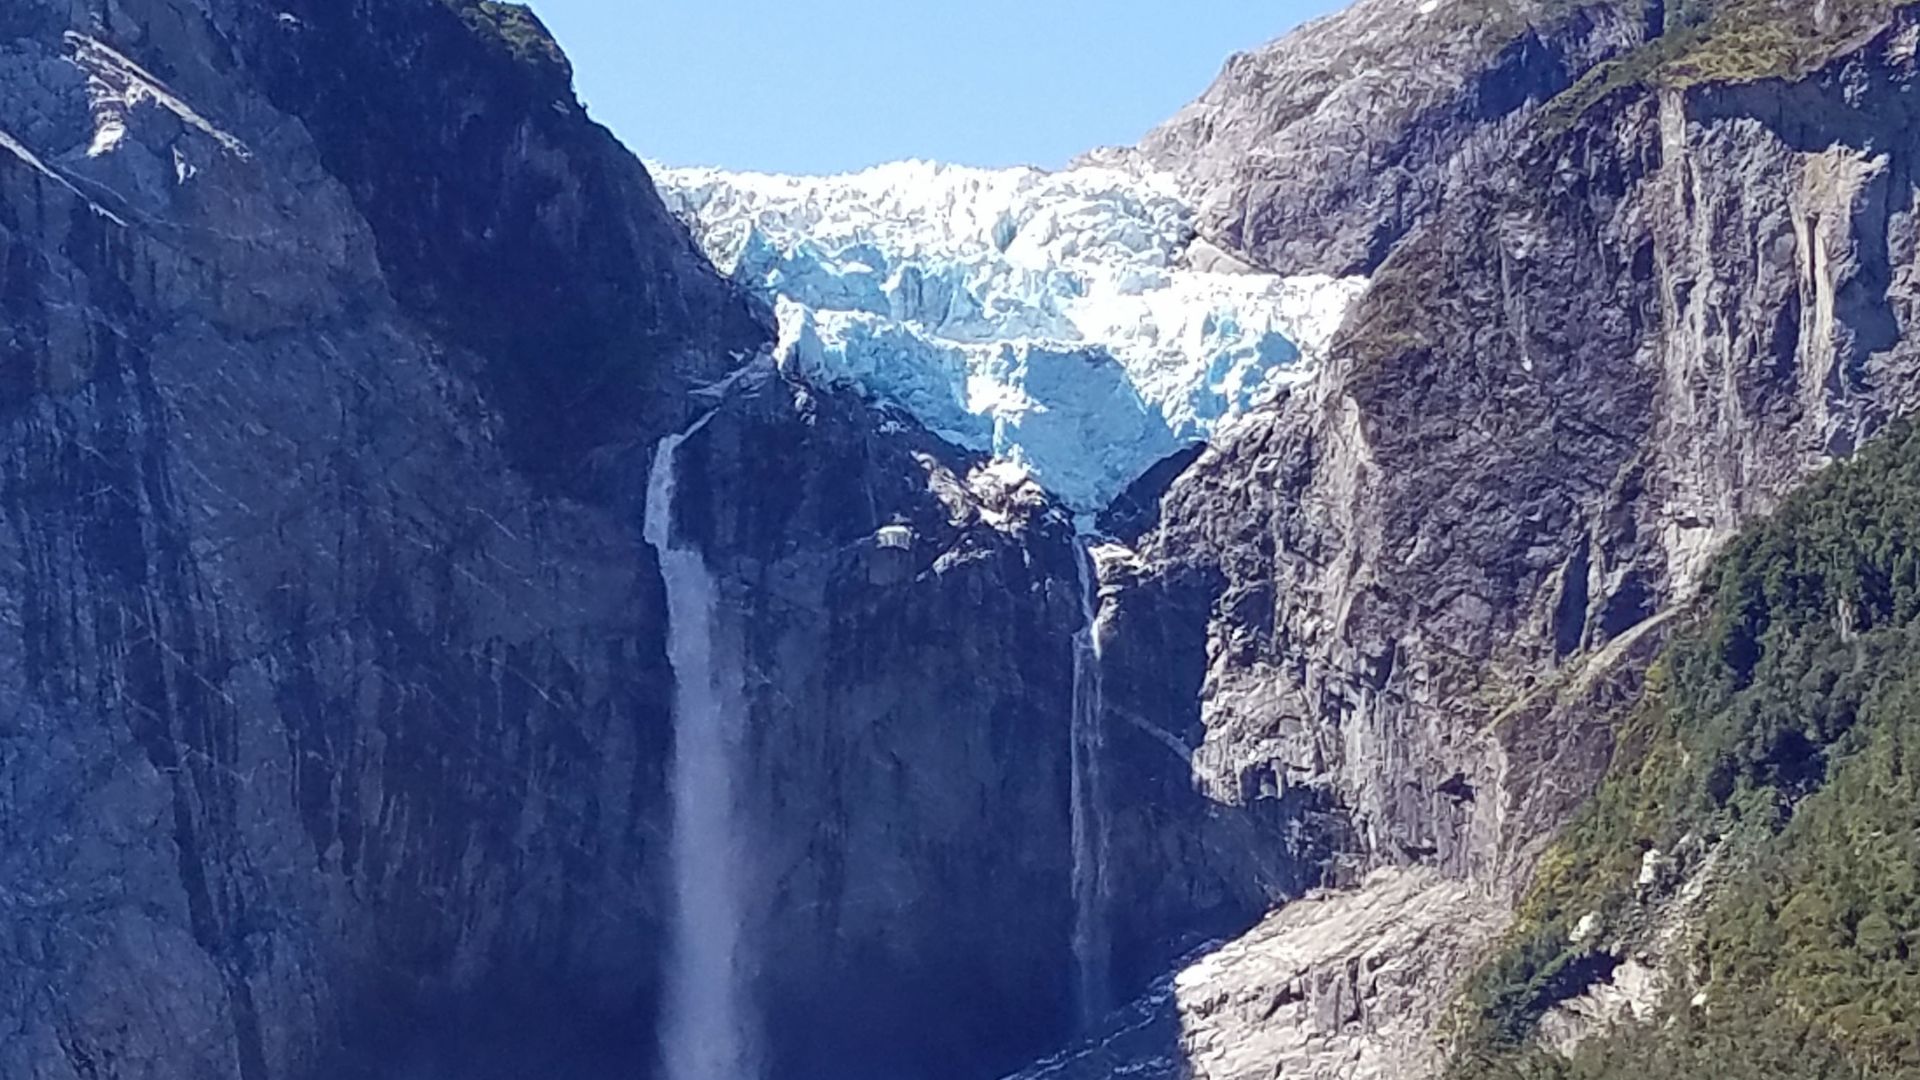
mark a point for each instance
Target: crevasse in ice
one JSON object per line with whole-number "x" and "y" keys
{"x": 1067, "y": 322}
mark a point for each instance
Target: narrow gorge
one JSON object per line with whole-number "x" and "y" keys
{"x": 1403, "y": 573}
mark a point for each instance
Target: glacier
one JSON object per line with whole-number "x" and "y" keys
{"x": 1070, "y": 323}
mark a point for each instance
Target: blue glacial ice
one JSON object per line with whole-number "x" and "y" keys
{"x": 1068, "y": 323}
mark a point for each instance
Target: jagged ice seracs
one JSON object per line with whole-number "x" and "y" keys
{"x": 1069, "y": 322}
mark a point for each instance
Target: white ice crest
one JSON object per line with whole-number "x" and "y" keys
{"x": 1054, "y": 319}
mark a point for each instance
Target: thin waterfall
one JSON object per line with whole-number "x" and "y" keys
{"x": 1091, "y": 948}
{"x": 705, "y": 1034}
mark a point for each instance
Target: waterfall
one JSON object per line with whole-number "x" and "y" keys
{"x": 1091, "y": 947}
{"x": 704, "y": 1035}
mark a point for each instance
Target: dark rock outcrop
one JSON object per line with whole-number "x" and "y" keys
{"x": 336, "y": 342}
{"x": 904, "y": 634}
{"x": 321, "y": 712}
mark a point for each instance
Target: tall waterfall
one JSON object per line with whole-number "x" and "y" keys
{"x": 1091, "y": 947}
{"x": 705, "y": 1032}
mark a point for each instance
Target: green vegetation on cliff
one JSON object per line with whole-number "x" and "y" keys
{"x": 1775, "y": 757}
{"x": 1725, "y": 41}
{"x": 516, "y": 29}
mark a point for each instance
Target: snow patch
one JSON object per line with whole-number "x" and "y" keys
{"x": 1066, "y": 322}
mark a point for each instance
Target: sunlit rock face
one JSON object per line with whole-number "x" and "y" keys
{"x": 1594, "y": 347}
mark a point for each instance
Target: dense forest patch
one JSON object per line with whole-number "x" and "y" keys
{"x": 1777, "y": 748}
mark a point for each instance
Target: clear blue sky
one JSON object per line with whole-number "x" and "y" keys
{"x": 831, "y": 85}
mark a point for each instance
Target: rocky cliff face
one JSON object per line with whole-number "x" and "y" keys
{"x": 1337, "y": 984}
{"x": 1436, "y": 574}
{"x": 303, "y": 677}
{"x": 337, "y": 340}
{"x": 1321, "y": 151}
{"x": 903, "y": 627}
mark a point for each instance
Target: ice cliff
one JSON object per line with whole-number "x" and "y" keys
{"x": 1068, "y": 322}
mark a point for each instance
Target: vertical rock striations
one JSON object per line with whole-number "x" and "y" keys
{"x": 1321, "y": 151}
{"x": 337, "y": 692}
{"x": 906, "y": 627}
{"x": 1425, "y": 585}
